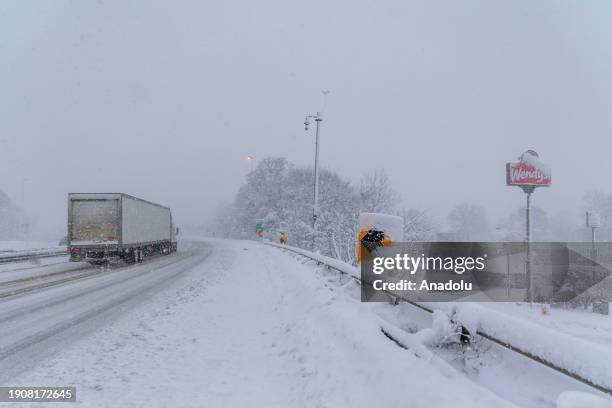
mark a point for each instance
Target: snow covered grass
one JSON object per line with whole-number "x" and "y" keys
{"x": 575, "y": 322}
{"x": 576, "y": 399}
{"x": 579, "y": 356}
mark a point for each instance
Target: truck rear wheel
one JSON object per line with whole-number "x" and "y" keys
{"x": 137, "y": 255}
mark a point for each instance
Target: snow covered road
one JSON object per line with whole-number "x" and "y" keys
{"x": 246, "y": 325}
{"x": 35, "y": 324}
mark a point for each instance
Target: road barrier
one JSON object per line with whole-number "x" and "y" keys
{"x": 26, "y": 256}
{"x": 353, "y": 272}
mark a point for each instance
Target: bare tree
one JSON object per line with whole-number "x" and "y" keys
{"x": 601, "y": 203}
{"x": 469, "y": 222}
{"x": 376, "y": 193}
{"x": 512, "y": 228}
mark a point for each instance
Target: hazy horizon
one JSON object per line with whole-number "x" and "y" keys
{"x": 164, "y": 100}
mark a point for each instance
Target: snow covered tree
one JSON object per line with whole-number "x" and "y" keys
{"x": 337, "y": 227}
{"x": 418, "y": 225}
{"x": 513, "y": 227}
{"x": 469, "y": 222}
{"x": 281, "y": 196}
{"x": 262, "y": 196}
{"x": 376, "y": 193}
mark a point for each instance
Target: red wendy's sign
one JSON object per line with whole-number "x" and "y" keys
{"x": 529, "y": 171}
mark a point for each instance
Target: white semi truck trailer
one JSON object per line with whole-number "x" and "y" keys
{"x": 111, "y": 227}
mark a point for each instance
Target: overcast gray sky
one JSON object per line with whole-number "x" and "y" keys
{"x": 163, "y": 100}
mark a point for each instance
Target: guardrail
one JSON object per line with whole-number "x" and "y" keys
{"x": 26, "y": 256}
{"x": 353, "y": 272}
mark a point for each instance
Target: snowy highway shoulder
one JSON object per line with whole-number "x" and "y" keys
{"x": 250, "y": 326}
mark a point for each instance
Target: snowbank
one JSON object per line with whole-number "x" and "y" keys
{"x": 334, "y": 263}
{"x": 577, "y": 399}
{"x": 578, "y": 356}
{"x": 250, "y": 326}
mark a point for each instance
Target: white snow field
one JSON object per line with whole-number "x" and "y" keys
{"x": 237, "y": 323}
{"x": 222, "y": 324}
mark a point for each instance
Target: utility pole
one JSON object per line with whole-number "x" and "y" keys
{"x": 593, "y": 222}
{"x": 24, "y": 222}
{"x": 315, "y": 208}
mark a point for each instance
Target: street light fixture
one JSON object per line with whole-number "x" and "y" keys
{"x": 250, "y": 159}
{"x": 315, "y": 209}
{"x": 23, "y": 182}
{"x": 25, "y": 224}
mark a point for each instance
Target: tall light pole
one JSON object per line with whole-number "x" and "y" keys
{"x": 23, "y": 182}
{"x": 250, "y": 159}
{"x": 24, "y": 224}
{"x": 315, "y": 208}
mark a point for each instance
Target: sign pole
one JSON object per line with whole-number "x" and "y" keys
{"x": 528, "y": 173}
{"x": 529, "y": 295}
